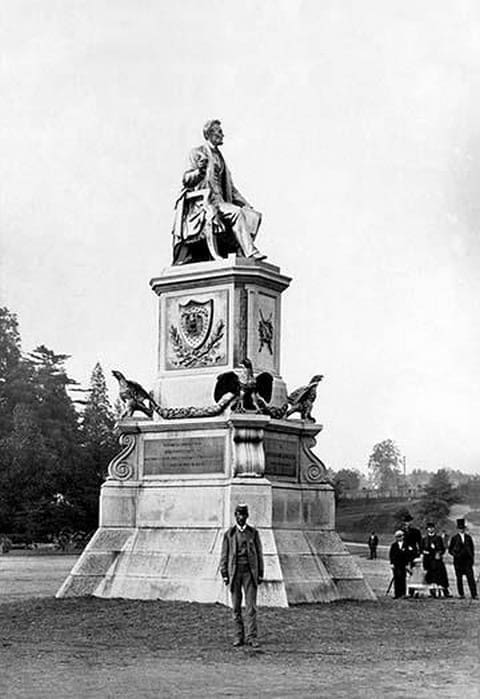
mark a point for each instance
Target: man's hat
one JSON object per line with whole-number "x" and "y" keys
{"x": 242, "y": 508}
{"x": 399, "y": 533}
{"x": 460, "y": 524}
{"x": 407, "y": 518}
{"x": 430, "y": 525}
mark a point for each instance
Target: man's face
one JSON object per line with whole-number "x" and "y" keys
{"x": 430, "y": 531}
{"x": 241, "y": 518}
{"x": 215, "y": 135}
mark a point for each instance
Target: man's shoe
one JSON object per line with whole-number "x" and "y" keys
{"x": 238, "y": 643}
{"x": 254, "y": 643}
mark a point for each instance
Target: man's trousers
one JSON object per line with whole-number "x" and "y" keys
{"x": 460, "y": 571}
{"x": 243, "y": 580}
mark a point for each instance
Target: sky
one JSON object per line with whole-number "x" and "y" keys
{"x": 354, "y": 128}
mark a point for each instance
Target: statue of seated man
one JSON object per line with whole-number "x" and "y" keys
{"x": 212, "y": 218}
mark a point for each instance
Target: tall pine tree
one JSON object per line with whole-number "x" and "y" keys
{"x": 99, "y": 445}
{"x": 16, "y": 385}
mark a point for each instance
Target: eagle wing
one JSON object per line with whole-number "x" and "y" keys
{"x": 226, "y": 383}
{"x": 264, "y": 386}
{"x": 138, "y": 390}
{"x": 298, "y": 395}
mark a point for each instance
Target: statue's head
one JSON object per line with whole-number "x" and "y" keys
{"x": 212, "y": 131}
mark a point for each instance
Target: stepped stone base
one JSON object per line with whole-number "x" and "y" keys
{"x": 171, "y": 547}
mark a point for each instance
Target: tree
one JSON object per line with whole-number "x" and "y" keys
{"x": 417, "y": 478}
{"x": 98, "y": 420}
{"x": 15, "y": 373}
{"x": 10, "y": 352}
{"x": 384, "y": 465}
{"x": 39, "y": 436}
{"x": 99, "y": 445}
{"x": 24, "y": 480}
{"x": 439, "y": 495}
{"x": 346, "y": 480}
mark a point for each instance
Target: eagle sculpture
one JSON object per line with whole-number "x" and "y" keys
{"x": 302, "y": 399}
{"x": 134, "y": 396}
{"x": 251, "y": 393}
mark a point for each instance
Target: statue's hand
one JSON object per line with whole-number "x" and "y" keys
{"x": 202, "y": 165}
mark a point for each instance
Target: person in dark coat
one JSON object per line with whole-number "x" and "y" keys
{"x": 463, "y": 551}
{"x": 433, "y": 565}
{"x": 413, "y": 538}
{"x": 241, "y": 567}
{"x": 400, "y": 558}
{"x": 372, "y": 545}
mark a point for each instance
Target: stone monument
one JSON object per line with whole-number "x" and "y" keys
{"x": 219, "y": 428}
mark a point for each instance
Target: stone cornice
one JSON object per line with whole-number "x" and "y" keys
{"x": 215, "y": 273}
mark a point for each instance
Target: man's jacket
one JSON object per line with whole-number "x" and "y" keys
{"x": 400, "y": 556}
{"x": 228, "y": 560}
{"x": 462, "y": 551}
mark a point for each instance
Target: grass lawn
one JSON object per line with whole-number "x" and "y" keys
{"x": 98, "y": 648}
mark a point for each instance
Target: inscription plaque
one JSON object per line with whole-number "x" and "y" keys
{"x": 281, "y": 457}
{"x": 184, "y": 454}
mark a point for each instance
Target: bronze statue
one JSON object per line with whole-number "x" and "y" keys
{"x": 303, "y": 398}
{"x": 251, "y": 393}
{"x": 134, "y": 397}
{"x": 212, "y": 218}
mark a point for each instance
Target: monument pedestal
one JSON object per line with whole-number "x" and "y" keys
{"x": 172, "y": 490}
{"x": 171, "y": 494}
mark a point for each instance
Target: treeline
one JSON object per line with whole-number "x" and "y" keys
{"x": 54, "y": 450}
{"x": 433, "y": 493}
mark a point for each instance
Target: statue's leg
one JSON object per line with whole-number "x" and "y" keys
{"x": 244, "y": 224}
{"x": 211, "y": 242}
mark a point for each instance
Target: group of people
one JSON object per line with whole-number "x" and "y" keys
{"x": 242, "y": 567}
{"x": 409, "y": 545}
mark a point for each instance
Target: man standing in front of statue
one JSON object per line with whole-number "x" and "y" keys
{"x": 462, "y": 549}
{"x": 400, "y": 556}
{"x": 241, "y": 567}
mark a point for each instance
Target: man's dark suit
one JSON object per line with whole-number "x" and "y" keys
{"x": 400, "y": 557}
{"x": 244, "y": 574}
{"x": 463, "y": 552}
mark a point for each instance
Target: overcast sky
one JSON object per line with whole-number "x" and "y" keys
{"x": 354, "y": 128}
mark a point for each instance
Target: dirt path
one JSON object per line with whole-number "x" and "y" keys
{"x": 23, "y": 575}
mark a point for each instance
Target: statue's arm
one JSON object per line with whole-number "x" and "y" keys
{"x": 198, "y": 168}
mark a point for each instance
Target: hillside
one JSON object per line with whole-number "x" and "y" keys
{"x": 356, "y": 519}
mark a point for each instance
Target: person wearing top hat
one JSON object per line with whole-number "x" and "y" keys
{"x": 463, "y": 551}
{"x": 241, "y": 567}
{"x": 400, "y": 559}
{"x": 433, "y": 550}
